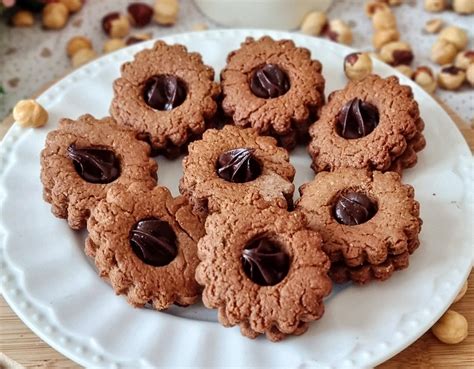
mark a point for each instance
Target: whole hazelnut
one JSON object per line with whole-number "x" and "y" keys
{"x": 461, "y": 293}
{"x": 443, "y": 52}
{"x": 464, "y": 59}
{"x": 22, "y": 18}
{"x": 138, "y": 37}
{"x": 29, "y": 113}
{"x": 384, "y": 37}
{"x": 451, "y": 77}
{"x": 406, "y": 70}
{"x": 470, "y": 74}
{"x": 434, "y": 25}
{"x": 166, "y": 12}
{"x": 339, "y": 31}
{"x": 425, "y": 78}
{"x": 384, "y": 19}
{"x": 396, "y": 53}
{"x": 76, "y": 43}
{"x": 451, "y": 328}
{"x": 313, "y": 23}
{"x": 463, "y": 6}
{"x": 55, "y": 15}
{"x": 82, "y": 57}
{"x": 72, "y": 5}
{"x": 113, "y": 44}
{"x": 455, "y": 35}
{"x": 357, "y": 66}
{"x": 435, "y": 5}
{"x": 373, "y": 6}
{"x": 395, "y": 2}
{"x": 199, "y": 27}
{"x": 115, "y": 25}
{"x": 140, "y": 14}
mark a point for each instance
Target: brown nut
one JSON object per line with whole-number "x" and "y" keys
{"x": 339, "y": 31}
{"x": 29, "y": 113}
{"x": 425, "y": 78}
{"x": 55, "y": 15}
{"x": 357, "y": 66}
{"x": 313, "y": 23}
{"x": 113, "y": 44}
{"x": 443, "y": 52}
{"x": 138, "y": 37}
{"x": 406, "y": 70}
{"x": 396, "y": 53}
{"x": 116, "y": 25}
{"x": 463, "y": 6}
{"x": 461, "y": 293}
{"x": 140, "y": 14}
{"x": 76, "y": 43}
{"x": 383, "y": 20}
{"x": 22, "y": 18}
{"x": 434, "y": 25}
{"x": 435, "y": 5}
{"x": 451, "y": 77}
{"x": 199, "y": 27}
{"x": 166, "y": 12}
{"x": 451, "y": 328}
{"x": 384, "y": 37}
{"x": 455, "y": 35}
{"x": 73, "y": 5}
{"x": 395, "y": 2}
{"x": 373, "y": 6}
{"x": 82, "y": 57}
{"x": 464, "y": 59}
{"x": 470, "y": 74}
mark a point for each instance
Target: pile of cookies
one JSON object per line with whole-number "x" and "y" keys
{"x": 234, "y": 236}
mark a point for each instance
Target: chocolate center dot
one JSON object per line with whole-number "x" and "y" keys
{"x": 94, "y": 164}
{"x": 269, "y": 81}
{"x": 164, "y": 92}
{"x": 357, "y": 119}
{"x": 238, "y": 165}
{"x": 154, "y": 242}
{"x": 264, "y": 262}
{"x": 352, "y": 208}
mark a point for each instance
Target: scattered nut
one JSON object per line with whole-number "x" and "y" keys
{"x": 463, "y": 6}
{"x": 451, "y": 328}
{"x": 339, "y": 31}
{"x": 395, "y": 2}
{"x": 464, "y": 59}
{"x": 72, "y": 5}
{"x": 443, "y": 52}
{"x": 199, "y": 27}
{"x": 116, "y": 25}
{"x": 451, "y": 77}
{"x": 385, "y": 19}
{"x": 406, "y": 70}
{"x": 166, "y": 12}
{"x": 140, "y": 14}
{"x": 461, "y": 293}
{"x": 455, "y": 35}
{"x": 28, "y": 113}
{"x": 55, "y": 15}
{"x": 425, "y": 78}
{"x": 384, "y": 37}
{"x": 435, "y": 5}
{"x": 22, "y": 18}
{"x": 136, "y": 38}
{"x": 434, "y": 25}
{"x": 357, "y": 66}
{"x": 396, "y": 53}
{"x": 373, "y": 6}
{"x": 76, "y": 43}
{"x": 82, "y": 57}
{"x": 113, "y": 44}
{"x": 470, "y": 74}
{"x": 313, "y": 23}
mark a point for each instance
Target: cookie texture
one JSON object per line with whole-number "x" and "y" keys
{"x": 167, "y": 130}
{"x": 372, "y": 249}
{"x": 71, "y": 196}
{"x": 208, "y": 192}
{"x": 110, "y": 247}
{"x": 276, "y": 310}
{"x": 393, "y": 143}
{"x": 286, "y": 117}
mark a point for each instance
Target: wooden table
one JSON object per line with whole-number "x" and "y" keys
{"x": 19, "y": 343}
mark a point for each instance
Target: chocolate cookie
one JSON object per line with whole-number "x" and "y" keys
{"x": 167, "y": 95}
{"x": 144, "y": 242}
{"x": 274, "y": 87}
{"x": 235, "y": 165}
{"x": 83, "y": 158}
{"x": 263, "y": 270}
{"x": 369, "y": 124}
{"x": 369, "y": 221}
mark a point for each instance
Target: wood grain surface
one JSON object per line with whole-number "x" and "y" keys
{"x": 19, "y": 343}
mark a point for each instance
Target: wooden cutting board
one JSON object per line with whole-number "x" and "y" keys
{"x": 19, "y": 343}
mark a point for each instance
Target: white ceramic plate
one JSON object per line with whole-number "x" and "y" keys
{"x": 54, "y": 289}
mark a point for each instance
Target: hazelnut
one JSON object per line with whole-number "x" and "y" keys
{"x": 396, "y": 53}
{"x": 451, "y": 328}
{"x": 455, "y": 35}
{"x": 373, "y": 6}
{"x": 314, "y": 23}
{"x": 55, "y": 15}
{"x": 357, "y": 66}
{"x": 395, "y": 2}
{"x": 22, "y": 18}
{"x": 339, "y": 31}
{"x": 443, "y": 52}
{"x": 470, "y": 74}
{"x": 435, "y": 5}
{"x": 113, "y": 44}
{"x": 434, "y": 25}
{"x": 29, "y": 113}
{"x": 406, "y": 70}
{"x": 82, "y": 57}
{"x": 463, "y": 6}
{"x": 425, "y": 78}
{"x": 199, "y": 27}
{"x": 72, "y": 5}
{"x": 464, "y": 59}
{"x": 76, "y": 43}
{"x": 138, "y": 37}
{"x": 166, "y": 12}
{"x": 451, "y": 77}
{"x": 384, "y": 19}
{"x": 461, "y": 293}
{"x": 384, "y": 37}
{"x": 140, "y": 14}
{"x": 116, "y": 25}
